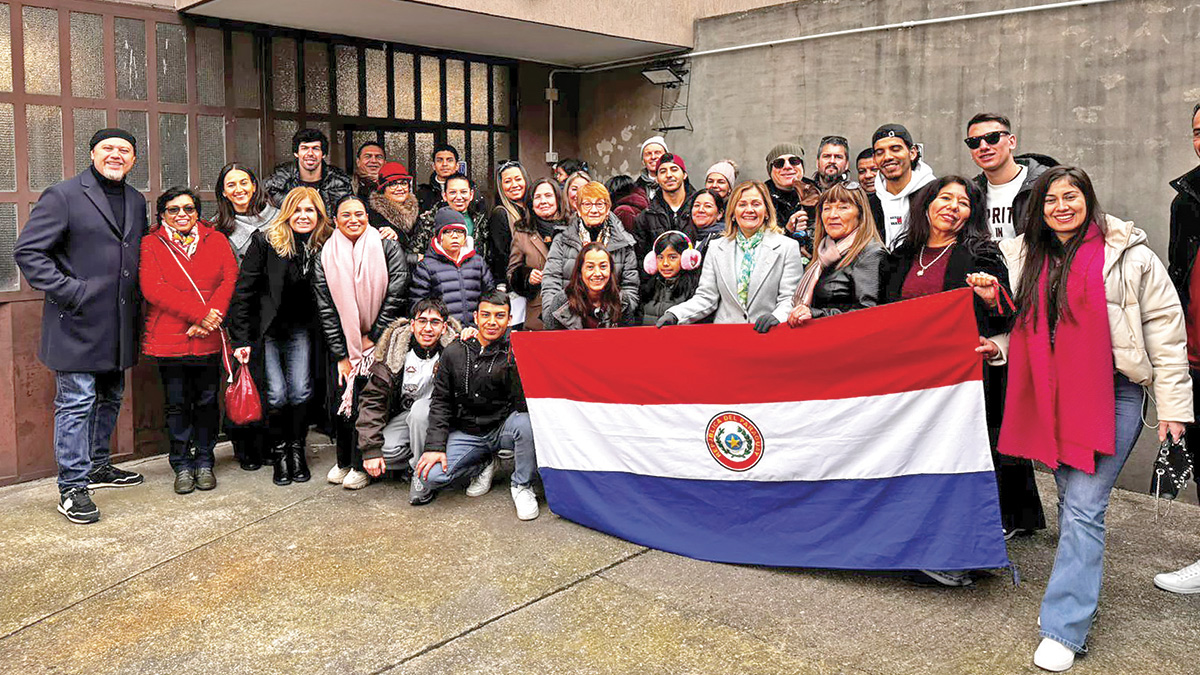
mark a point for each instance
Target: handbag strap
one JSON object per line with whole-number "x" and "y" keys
{"x": 224, "y": 340}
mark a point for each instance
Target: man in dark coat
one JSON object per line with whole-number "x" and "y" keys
{"x": 80, "y": 247}
{"x": 667, "y": 210}
{"x": 310, "y": 147}
{"x": 1006, "y": 180}
{"x": 446, "y": 163}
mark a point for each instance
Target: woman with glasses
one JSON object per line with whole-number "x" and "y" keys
{"x": 532, "y": 238}
{"x": 595, "y": 223}
{"x": 750, "y": 274}
{"x": 394, "y": 208}
{"x": 844, "y": 272}
{"x": 187, "y": 275}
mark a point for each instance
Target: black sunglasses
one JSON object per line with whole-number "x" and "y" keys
{"x": 991, "y": 138}
{"x": 174, "y": 210}
{"x": 793, "y": 160}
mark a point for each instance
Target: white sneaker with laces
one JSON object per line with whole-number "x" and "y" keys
{"x": 525, "y": 501}
{"x": 1185, "y": 581}
{"x": 481, "y": 483}
{"x": 356, "y": 480}
{"x": 337, "y": 474}
{"x": 1053, "y": 656}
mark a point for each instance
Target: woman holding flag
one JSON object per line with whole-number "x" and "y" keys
{"x": 1097, "y": 312}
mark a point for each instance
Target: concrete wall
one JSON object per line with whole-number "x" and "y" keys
{"x": 1108, "y": 87}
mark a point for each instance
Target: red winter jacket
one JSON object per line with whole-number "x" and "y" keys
{"x": 630, "y": 206}
{"x": 172, "y": 305}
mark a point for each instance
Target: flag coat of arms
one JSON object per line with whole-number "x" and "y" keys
{"x": 857, "y": 441}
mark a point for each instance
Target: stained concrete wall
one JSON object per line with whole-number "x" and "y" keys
{"x": 1108, "y": 87}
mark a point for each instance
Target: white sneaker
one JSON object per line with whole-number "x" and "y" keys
{"x": 356, "y": 480}
{"x": 1053, "y": 656}
{"x": 483, "y": 482}
{"x": 337, "y": 474}
{"x": 526, "y": 502}
{"x": 1185, "y": 581}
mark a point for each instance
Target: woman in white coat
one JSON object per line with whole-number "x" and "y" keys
{"x": 749, "y": 274}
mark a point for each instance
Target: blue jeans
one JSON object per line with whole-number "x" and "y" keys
{"x": 466, "y": 454}
{"x": 1073, "y": 593}
{"x": 289, "y": 371}
{"x": 85, "y": 414}
{"x": 190, "y": 387}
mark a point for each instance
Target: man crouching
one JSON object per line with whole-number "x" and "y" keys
{"x": 477, "y": 409}
{"x": 393, "y": 412}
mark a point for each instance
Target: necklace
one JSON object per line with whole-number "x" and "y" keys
{"x": 921, "y": 259}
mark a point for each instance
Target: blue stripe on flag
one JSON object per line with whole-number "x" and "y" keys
{"x": 926, "y": 521}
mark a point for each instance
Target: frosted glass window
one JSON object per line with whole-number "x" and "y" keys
{"x": 245, "y": 71}
{"x": 10, "y": 276}
{"x": 500, "y": 99}
{"x": 456, "y": 102}
{"x": 284, "y": 130}
{"x": 395, "y": 145}
{"x": 431, "y": 88}
{"x": 458, "y": 138}
{"x": 6, "y": 71}
{"x": 211, "y": 146}
{"x": 210, "y": 66}
{"x": 347, "y": 80}
{"x": 173, "y": 148}
{"x": 283, "y": 77}
{"x": 8, "y": 148}
{"x": 501, "y": 149}
{"x": 360, "y": 137}
{"x": 423, "y": 161}
{"x": 479, "y": 93}
{"x": 404, "y": 88}
{"x": 45, "y": 145}
{"x": 377, "y": 83}
{"x": 87, "y": 55}
{"x": 134, "y": 121}
{"x": 247, "y": 143}
{"x": 41, "y": 51}
{"x": 87, "y": 122}
{"x": 481, "y": 165}
{"x": 171, "y": 54}
{"x": 130, "y": 43}
{"x": 316, "y": 77}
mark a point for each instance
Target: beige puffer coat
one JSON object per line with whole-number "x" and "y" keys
{"x": 1144, "y": 317}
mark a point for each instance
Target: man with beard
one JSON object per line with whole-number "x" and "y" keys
{"x": 367, "y": 163}
{"x": 80, "y": 247}
{"x": 1006, "y": 181}
{"x": 833, "y": 162}
{"x": 310, "y": 147}
{"x": 901, "y": 173}
{"x": 666, "y": 210}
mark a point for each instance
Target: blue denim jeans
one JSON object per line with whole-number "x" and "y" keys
{"x": 466, "y": 454}
{"x": 190, "y": 387}
{"x": 1073, "y": 593}
{"x": 85, "y": 414}
{"x": 289, "y": 369}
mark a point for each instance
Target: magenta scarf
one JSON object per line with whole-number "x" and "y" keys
{"x": 357, "y": 276}
{"x": 1060, "y": 402}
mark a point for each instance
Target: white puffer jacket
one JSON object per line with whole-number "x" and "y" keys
{"x": 1144, "y": 316}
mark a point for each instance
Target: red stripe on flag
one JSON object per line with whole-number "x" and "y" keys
{"x": 919, "y": 344}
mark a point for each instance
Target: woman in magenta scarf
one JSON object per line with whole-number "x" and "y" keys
{"x": 361, "y": 284}
{"x": 1098, "y": 320}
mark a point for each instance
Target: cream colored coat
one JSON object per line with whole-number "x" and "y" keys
{"x": 1144, "y": 317}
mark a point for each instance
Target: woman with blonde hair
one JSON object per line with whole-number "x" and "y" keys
{"x": 750, "y": 274}
{"x": 845, "y": 271}
{"x": 273, "y": 311}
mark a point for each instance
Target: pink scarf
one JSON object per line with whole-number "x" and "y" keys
{"x": 357, "y": 276}
{"x": 1060, "y": 402}
{"x": 830, "y": 253}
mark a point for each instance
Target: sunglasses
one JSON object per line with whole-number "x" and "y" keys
{"x": 783, "y": 161}
{"x": 508, "y": 164}
{"x": 174, "y": 210}
{"x": 991, "y": 139}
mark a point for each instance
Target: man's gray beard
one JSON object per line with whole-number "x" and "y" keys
{"x": 114, "y": 174}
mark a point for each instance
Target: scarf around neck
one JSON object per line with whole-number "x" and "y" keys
{"x": 829, "y": 254}
{"x": 184, "y": 243}
{"x": 357, "y": 276}
{"x": 1060, "y": 400}
{"x": 746, "y": 265}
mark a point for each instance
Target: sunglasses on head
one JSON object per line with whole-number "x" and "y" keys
{"x": 508, "y": 164}
{"x": 991, "y": 139}
{"x": 783, "y": 161}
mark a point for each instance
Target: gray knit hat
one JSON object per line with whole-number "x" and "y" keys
{"x": 785, "y": 149}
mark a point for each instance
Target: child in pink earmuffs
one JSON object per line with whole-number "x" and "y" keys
{"x": 673, "y": 271}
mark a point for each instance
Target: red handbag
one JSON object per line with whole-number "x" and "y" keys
{"x": 242, "y": 402}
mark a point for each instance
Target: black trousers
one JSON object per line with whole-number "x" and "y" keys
{"x": 193, "y": 413}
{"x": 251, "y": 441}
{"x": 1020, "y": 503}
{"x": 345, "y": 435}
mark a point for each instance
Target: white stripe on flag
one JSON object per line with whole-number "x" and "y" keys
{"x": 929, "y": 431}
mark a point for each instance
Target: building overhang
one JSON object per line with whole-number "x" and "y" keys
{"x": 439, "y": 27}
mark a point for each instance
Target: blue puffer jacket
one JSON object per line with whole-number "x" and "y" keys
{"x": 459, "y": 286}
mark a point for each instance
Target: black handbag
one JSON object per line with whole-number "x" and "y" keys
{"x": 1172, "y": 470}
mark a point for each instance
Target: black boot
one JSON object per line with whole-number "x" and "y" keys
{"x": 280, "y": 460}
{"x": 246, "y": 449}
{"x": 298, "y": 427}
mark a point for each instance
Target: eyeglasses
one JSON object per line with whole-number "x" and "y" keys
{"x": 405, "y": 183}
{"x": 592, "y": 206}
{"x": 174, "y": 210}
{"x": 434, "y": 323}
{"x": 991, "y": 139}
{"x": 791, "y": 159}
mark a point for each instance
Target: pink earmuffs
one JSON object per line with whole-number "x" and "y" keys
{"x": 689, "y": 259}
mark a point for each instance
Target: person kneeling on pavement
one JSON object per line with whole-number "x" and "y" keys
{"x": 393, "y": 408}
{"x": 477, "y": 409}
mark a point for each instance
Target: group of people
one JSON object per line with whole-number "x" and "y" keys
{"x": 398, "y": 299}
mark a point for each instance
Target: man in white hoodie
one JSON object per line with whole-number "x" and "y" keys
{"x": 901, "y": 173}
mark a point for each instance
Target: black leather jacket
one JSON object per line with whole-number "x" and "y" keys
{"x": 394, "y": 304}
{"x": 854, "y": 286}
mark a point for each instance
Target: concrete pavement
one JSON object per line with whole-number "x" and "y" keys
{"x": 312, "y": 578}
